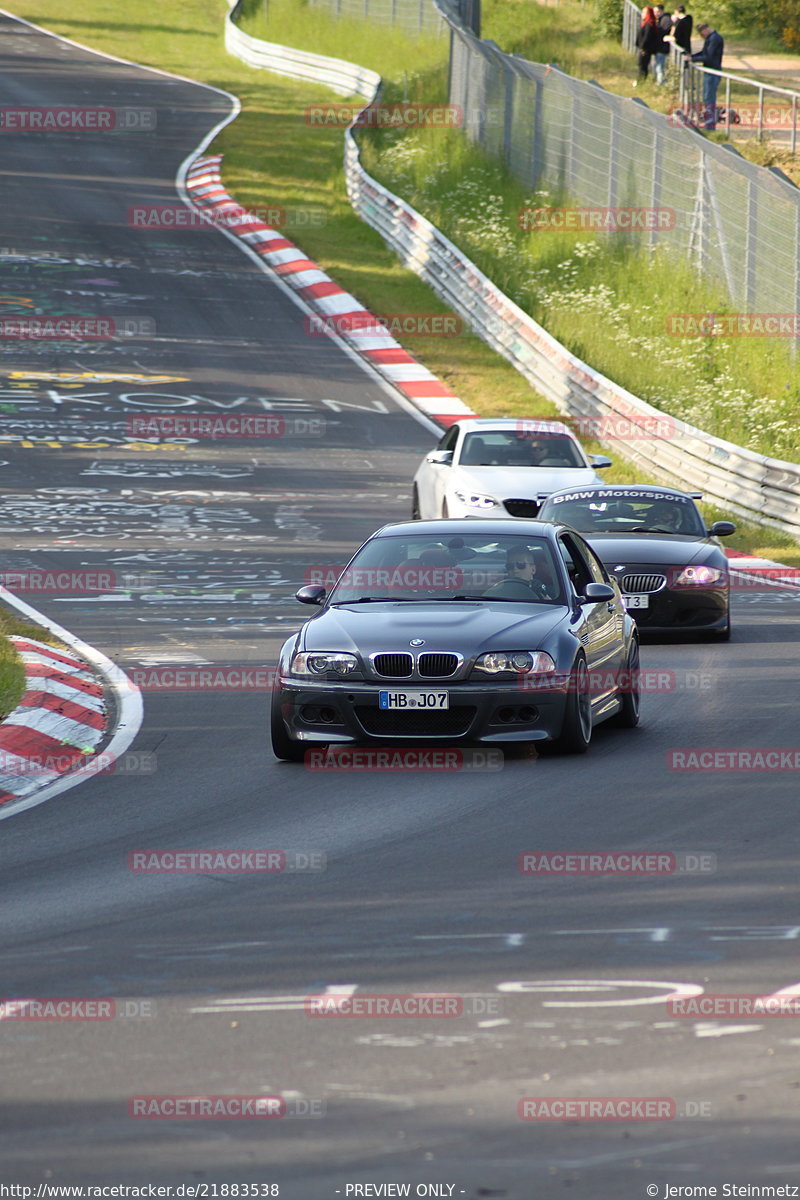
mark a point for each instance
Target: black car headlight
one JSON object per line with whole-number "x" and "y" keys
{"x": 701, "y": 576}
{"x": 311, "y": 663}
{"x": 515, "y": 662}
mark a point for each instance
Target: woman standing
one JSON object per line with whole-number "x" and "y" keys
{"x": 648, "y": 39}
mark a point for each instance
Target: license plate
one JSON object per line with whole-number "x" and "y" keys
{"x": 636, "y": 601}
{"x": 407, "y": 700}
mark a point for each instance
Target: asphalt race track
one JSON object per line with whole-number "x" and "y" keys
{"x": 561, "y": 979}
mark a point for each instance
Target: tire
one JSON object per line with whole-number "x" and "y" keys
{"x": 628, "y": 715}
{"x": 576, "y": 732}
{"x": 283, "y": 746}
{"x": 415, "y": 505}
{"x": 445, "y": 513}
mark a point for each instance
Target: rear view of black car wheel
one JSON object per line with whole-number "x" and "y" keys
{"x": 576, "y": 732}
{"x": 628, "y": 715}
{"x": 282, "y": 745}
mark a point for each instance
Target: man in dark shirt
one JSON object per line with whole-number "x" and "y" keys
{"x": 710, "y": 56}
{"x": 661, "y": 56}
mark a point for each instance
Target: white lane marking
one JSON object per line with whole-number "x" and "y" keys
{"x": 636, "y": 1152}
{"x": 233, "y": 1004}
{"x": 657, "y": 933}
{"x": 510, "y": 939}
{"x": 709, "y": 1029}
{"x": 543, "y": 986}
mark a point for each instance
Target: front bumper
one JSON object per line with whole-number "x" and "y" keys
{"x": 346, "y": 713}
{"x": 692, "y": 609}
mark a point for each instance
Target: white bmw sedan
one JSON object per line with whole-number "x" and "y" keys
{"x": 485, "y": 467}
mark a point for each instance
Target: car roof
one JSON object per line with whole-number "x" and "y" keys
{"x": 628, "y": 489}
{"x": 528, "y": 426}
{"x": 455, "y": 526}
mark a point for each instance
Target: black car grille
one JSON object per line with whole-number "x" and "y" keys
{"x": 450, "y": 722}
{"x": 635, "y": 584}
{"x": 393, "y": 666}
{"x": 437, "y": 666}
{"x": 522, "y": 508}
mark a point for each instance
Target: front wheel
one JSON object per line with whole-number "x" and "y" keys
{"x": 576, "y": 732}
{"x": 628, "y": 715}
{"x": 445, "y": 513}
{"x": 415, "y": 505}
{"x": 282, "y": 745}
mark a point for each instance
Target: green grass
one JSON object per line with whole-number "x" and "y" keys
{"x": 272, "y": 156}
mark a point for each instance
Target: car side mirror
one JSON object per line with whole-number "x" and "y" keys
{"x": 312, "y": 593}
{"x": 597, "y": 593}
{"x": 600, "y": 461}
{"x": 722, "y": 529}
{"x": 440, "y": 458}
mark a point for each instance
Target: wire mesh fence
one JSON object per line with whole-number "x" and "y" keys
{"x": 738, "y": 224}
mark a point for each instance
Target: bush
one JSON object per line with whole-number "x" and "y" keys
{"x": 610, "y": 18}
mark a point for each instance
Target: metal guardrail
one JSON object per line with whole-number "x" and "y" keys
{"x": 762, "y": 489}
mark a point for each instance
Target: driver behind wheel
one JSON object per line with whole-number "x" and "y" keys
{"x": 522, "y": 572}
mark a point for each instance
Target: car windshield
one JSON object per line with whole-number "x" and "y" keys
{"x": 625, "y": 511}
{"x": 507, "y": 448}
{"x": 429, "y": 567}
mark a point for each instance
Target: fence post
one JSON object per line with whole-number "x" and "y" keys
{"x": 657, "y": 176}
{"x": 750, "y": 245}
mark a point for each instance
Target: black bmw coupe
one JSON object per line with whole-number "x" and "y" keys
{"x": 456, "y": 631}
{"x": 672, "y": 571}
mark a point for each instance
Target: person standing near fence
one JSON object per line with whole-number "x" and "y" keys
{"x": 682, "y": 29}
{"x": 661, "y": 56}
{"x": 710, "y": 56}
{"x": 648, "y": 40}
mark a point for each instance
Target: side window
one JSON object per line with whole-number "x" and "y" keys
{"x": 577, "y": 568}
{"x": 448, "y": 442}
{"x": 599, "y": 573}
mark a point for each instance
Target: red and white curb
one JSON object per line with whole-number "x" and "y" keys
{"x": 336, "y": 308}
{"x": 763, "y": 570}
{"x": 59, "y": 721}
